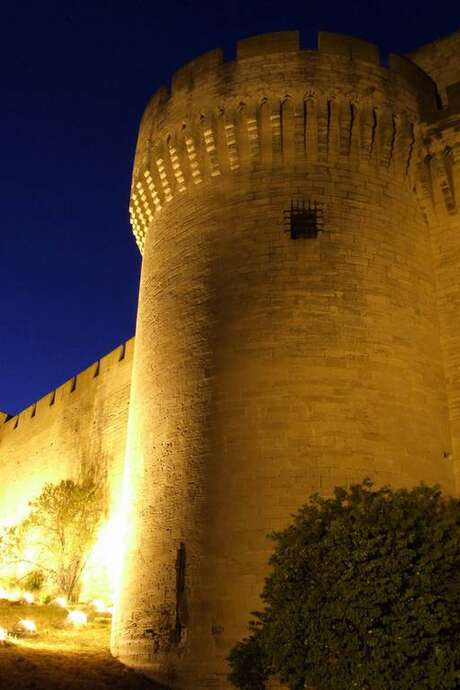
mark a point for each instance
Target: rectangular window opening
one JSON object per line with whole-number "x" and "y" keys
{"x": 304, "y": 220}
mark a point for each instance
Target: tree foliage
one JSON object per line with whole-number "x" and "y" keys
{"x": 56, "y": 537}
{"x": 364, "y": 592}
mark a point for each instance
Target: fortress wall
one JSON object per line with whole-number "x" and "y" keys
{"x": 76, "y": 431}
{"x": 439, "y": 191}
{"x": 446, "y": 239}
{"x": 441, "y": 60}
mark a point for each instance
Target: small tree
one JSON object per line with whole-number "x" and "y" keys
{"x": 57, "y": 535}
{"x": 364, "y": 593}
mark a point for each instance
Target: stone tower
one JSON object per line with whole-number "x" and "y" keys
{"x": 439, "y": 194}
{"x": 296, "y": 231}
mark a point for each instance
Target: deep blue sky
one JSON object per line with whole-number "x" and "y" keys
{"x": 75, "y": 77}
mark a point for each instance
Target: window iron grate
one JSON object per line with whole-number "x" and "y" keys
{"x": 304, "y": 220}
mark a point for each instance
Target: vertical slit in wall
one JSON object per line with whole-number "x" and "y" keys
{"x": 352, "y": 124}
{"x": 34, "y": 410}
{"x": 393, "y": 140}
{"x": 122, "y": 352}
{"x": 53, "y": 398}
{"x": 97, "y": 368}
{"x": 311, "y": 129}
{"x": 373, "y": 132}
{"x": 288, "y": 122}
{"x": 265, "y": 129}
{"x": 329, "y": 119}
{"x": 180, "y": 593}
{"x": 305, "y": 127}
{"x": 411, "y": 148}
{"x": 284, "y": 105}
{"x": 73, "y": 384}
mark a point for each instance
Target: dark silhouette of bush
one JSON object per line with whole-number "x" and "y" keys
{"x": 364, "y": 592}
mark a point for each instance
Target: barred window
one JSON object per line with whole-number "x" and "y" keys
{"x": 303, "y": 220}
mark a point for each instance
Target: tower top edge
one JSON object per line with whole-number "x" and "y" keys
{"x": 288, "y": 44}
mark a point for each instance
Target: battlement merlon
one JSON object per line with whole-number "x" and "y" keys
{"x": 277, "y": 104}
{"x": 3, "y": 417}
{"x": 202, "y": 69}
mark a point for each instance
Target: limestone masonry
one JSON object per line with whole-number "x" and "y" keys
{"x": 76, "y": 431}
{"x": 298, "y": 328}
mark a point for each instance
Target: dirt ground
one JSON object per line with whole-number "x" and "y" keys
{"x": 59, "y": 656}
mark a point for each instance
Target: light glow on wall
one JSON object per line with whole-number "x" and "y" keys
{"x": 102, "y": 568}
{"x": 125, "y": 525}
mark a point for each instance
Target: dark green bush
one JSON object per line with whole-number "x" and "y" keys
{"x": 250, "y": 668}
{"x": 364, "y": 593}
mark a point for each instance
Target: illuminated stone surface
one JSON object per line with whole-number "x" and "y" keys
{"x": 265, "y": 368}
{"x": 76, "y": 431}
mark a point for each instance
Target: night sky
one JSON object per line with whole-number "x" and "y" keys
{"x": 75, "y": 79}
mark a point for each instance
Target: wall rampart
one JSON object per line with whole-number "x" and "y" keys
{"x": 77, "y": 430}
{"x": 439, "y": 192}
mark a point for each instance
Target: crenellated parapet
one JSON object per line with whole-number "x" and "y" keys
{"x": 75, "y": 432}
{"x": 56, "y": 400}
{"x": 222, "y": 119}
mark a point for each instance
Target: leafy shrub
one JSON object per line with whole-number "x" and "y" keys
{"x": 33, "y": 581}
{"x": 364, "y": 592}
{"x": 55, "y": 539}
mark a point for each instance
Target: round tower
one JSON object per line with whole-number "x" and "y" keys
{"x": 287, "y": 333}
